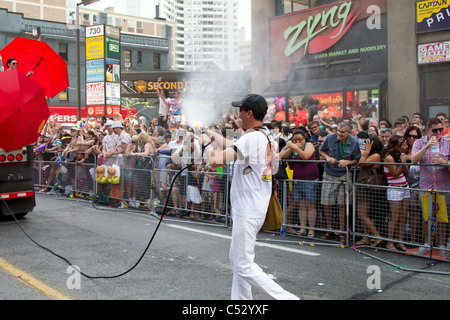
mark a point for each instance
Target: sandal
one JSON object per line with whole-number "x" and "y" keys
{"x": 363, "y": 241}
{"x": 391, "y": 246}
{"x": 302, "y": 232}
{"x": 377, "y": 243}
{"x": 402, "y": 247}
{"x": 291, "y": 230}
{"x": 327, "y": 236}
{"x": 311, "y": 234}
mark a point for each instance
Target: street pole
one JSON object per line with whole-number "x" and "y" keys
{"x": 77, "y": 12}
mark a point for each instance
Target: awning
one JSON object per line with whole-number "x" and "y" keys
{"x": 367, "y": 81}
{"x": 329, "y": 85}
{"x": 278, "y": 89}
{"x": 321, "y": 86}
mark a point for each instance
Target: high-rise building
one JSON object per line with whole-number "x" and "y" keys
{"x": 206, "y": 30}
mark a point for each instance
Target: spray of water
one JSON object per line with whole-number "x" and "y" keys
{"x": 200, "y": 111}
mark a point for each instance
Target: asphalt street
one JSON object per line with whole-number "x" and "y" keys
{"x": 188, "y": 261}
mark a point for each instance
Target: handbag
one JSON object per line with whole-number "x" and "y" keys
{"x": 377, "y": 178}
{"x": 274, "y": 216}
{"x": 281, "y": 173}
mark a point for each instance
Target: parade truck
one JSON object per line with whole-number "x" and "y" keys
{"x": 16, "y": 182}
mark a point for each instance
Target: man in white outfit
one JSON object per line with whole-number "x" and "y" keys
{"x": 250, "y": 194}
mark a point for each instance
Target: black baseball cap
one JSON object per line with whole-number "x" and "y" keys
{"x": 254, "y": 102}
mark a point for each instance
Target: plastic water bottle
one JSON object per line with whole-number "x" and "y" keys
{"x": 434, "y": 150}
{"x": 283, "y": 230}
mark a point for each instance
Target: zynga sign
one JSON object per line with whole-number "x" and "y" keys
{"x": 307, "y": 33}
{"x": 334, "y": 27}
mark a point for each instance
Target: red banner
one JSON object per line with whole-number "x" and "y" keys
{"x": 69, "y": 114}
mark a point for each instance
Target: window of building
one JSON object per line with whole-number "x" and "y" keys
{"x": 436, "y": 84}
{"x": 62, "y": 51}
{"x": 156, "y": 61}
{"x": 64, "y": 95}
{"x": 127, "y": 58}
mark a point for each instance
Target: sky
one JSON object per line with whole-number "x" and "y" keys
{"x": 243, "y": 13}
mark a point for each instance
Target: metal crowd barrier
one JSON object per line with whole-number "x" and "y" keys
{"x": 142, "y": 185}
{"x": 368, "y": 216}
{"x": 407, "y": 217}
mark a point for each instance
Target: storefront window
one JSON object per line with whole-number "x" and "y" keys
{"x": 363, "y": 102}
{"x": 328, "y": 106}
{"x": 436, "y": 85}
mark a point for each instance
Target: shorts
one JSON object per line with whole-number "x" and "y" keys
{"x": 175, "y": 118}
{"x": 398, "y": 194}
{"x": 333, "y": 189}
{"x": 442, "y": 206}
{"x": 305, "y": 191}
{"x": 127, "y": 174}
{"x": 193, "y": 195}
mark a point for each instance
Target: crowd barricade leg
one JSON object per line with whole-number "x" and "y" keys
{"x": 307, "y": 216}
{"x": 395, "y": 218}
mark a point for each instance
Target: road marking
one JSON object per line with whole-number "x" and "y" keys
{"x": 33, "y": 282}
{"x": 268, "y": 245}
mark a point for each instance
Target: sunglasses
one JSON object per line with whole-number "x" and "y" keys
{"x": 440, "y": 130}
{"x": 412, "y": 136}
{"x": 14, "y": 63}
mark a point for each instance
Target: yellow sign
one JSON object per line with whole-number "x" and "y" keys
{"x": 95, "y": 48}
{"x": 425, "y": 9}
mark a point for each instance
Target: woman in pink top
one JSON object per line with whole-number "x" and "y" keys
{"x": 396, "y": 173}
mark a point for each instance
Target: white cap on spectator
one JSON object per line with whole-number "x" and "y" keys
{"x": 109, "y": 122}
{"x": 116, "y": 124}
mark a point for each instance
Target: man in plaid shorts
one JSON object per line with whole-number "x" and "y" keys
{"x": 340, "y": 150}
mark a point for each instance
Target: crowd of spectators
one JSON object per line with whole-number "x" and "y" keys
{"x": 341, "y": 144}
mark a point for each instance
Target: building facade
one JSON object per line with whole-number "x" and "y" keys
{"x": 347, "y": 52}
{"x": 138, "y": 52}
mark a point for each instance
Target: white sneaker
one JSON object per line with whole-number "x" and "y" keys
{"x": 425, "y": 250}
{"x": 444, "y": 252}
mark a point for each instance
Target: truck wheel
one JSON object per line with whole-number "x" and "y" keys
{"x": 10, "y": 217}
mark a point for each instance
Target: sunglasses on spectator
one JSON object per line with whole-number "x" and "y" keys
{"x": 412, "y": 136}
{"x": 14, "y": 63}
{"x": 440, "y": 130}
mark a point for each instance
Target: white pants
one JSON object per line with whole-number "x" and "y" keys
{"x": 246, "y": 273}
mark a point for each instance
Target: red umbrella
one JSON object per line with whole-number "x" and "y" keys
{"x": 23, "y": 110}
{"x": 49, "y": 69}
